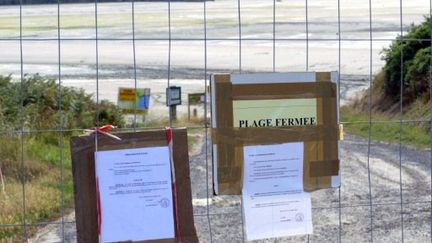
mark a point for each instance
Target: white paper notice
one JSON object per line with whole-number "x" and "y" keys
{"x": 135, "y": 194}
{"x": 273, "y": 198}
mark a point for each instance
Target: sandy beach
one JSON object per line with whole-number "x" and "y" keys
{"x": 197, "y": 50}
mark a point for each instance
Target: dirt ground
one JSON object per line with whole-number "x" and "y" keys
{"x": 348, "y": 208}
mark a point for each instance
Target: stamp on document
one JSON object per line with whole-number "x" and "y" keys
{"x": 164, "y": 202}
{"x": 299, "y": 217}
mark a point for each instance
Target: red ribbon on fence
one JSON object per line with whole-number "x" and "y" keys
{"x": 2, "y": 182}
{"x": 103, "y": 130}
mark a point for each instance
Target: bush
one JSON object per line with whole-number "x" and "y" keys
{"x": 415, "y": 47}
{"x": 40, "y": 99}
{"x": 417, "y": 76}
{"x": 37, "y": 158}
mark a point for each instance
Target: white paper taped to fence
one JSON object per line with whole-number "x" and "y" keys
{"x": 135, "y": 192}
{"x": 274, "y": 202}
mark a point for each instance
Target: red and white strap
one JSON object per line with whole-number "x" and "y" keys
{"x": 2, "y": 182}
{"x": 103, "y": 130}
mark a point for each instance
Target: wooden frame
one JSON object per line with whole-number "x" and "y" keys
{"x": 321, "y": 164}
{"x": 83, "y": 168}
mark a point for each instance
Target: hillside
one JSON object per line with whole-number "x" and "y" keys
{"x": 407, "y": 62}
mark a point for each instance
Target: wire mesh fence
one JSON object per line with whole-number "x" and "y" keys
{"x": 386, "y": 187}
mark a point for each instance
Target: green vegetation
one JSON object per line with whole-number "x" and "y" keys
{"x": 34, "y": 105}
{"x": 416, "y": 49}
{"x": 385, "y": 128}
{"x": 43, "y": 184}
{"x": 39, "y": 155}
{"x": 383, "y": 98}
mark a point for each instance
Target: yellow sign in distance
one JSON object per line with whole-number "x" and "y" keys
{"x": 127, "y": 94}
{"x": 132, "y": 100}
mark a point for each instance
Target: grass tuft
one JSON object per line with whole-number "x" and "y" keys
{"x": 386, "y": 128}
{"x": 42, "y": 184}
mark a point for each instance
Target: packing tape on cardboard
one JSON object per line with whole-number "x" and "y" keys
{"x": 320, "y": 141}
{"x": 273, "y": 135}
{"x": 324, "y": 168}
{"x": 297, "y": 90}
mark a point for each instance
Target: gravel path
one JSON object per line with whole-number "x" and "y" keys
{"x": 224, "y": 212}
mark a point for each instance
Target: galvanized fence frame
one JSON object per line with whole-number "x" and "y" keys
{"x": 60, "y": 129}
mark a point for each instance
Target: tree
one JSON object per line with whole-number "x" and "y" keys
{"x": 413, "y": 50}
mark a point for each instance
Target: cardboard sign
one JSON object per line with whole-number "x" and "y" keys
{"x": 132, "y": 100}
{"x": 196, "y": 98}
{"x": 275, "y": 108}
{"x": 83, "y": 167}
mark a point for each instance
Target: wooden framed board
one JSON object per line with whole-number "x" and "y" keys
{"x": 272, "y": 108}
{"x": 86, "y": 197}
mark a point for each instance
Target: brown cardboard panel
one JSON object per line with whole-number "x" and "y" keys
{"x": 315, "y": 165}
{"x": 320, "y": 141}
{"x": 225, "y": 152}
{"x": 276, "y": 91}
{"x": 327, "y": 150}
{"x": 270, "y": 135}
{"x": 323, "y": 76}
{"x": 184, "y": 192}
{"x": 324, "y": 168}
{"x": 311, "y": 153}
{"x": 83, "y": 167}
{"x": 83, "y": 170}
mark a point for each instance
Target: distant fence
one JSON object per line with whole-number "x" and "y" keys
{"x": 341, "y": 216}
{"x": 16, "y": 2}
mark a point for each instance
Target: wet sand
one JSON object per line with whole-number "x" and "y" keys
{"x": 193, "y": 57}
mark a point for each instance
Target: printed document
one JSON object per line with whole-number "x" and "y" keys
{"x": 135, "y": 194}
{"x": 273, "y": 198}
